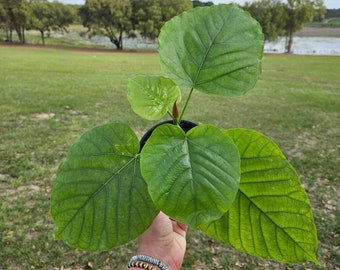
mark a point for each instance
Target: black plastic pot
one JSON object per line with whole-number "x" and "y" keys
{"x": 185, "y": 125}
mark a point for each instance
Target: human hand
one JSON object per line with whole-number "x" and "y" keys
{"x": 165, "y": 240}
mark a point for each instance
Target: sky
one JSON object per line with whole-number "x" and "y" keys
{"x": 330, "y": 4}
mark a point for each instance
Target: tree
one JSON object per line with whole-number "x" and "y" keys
{"x": 41, "y": 18}
{"x": 332, "y": 13}
{"x": 271, "y": 16}
{"x": 4, "y": 25}
{"x": 46, "y": 16}
{"x": 320, "y": 10}
{"x": 110, "y": 18}
{"x": 282, "y": 19}
{"x": 299, "y": 12}
{"x": 150, "y": 15}
{"x": 171, "y": 8}
{"x": 63, "y": 16}
{"x": 16, "y": 16}
{"x": 147, "y": 17}
{"x": 197, "y": 3}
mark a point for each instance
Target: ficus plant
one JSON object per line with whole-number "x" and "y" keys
{"x": 234, "y": 185}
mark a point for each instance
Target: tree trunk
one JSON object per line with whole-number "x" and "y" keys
{"x": 42, "y": 37}
{"x": 18, "y": 30}
{"x": 8, "y": 35}
{"x": 23, "y": 35}
{"x": 118, "y": 42}
{"x": 289, "y": 42}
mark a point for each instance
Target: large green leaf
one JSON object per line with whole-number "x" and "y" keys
{"x": 217, "y": 50}
{"x": 192, "y": 177}
{"x": 271, "y": 216}
{"x": 151, "y": 96}
{"x": 99, "y": 199}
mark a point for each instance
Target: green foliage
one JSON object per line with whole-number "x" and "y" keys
{"x": 147, "y": 17}
{"x": 46, "y": 16}
{"x": 110, "y": 18}
{"x": 332, "y": 13}
{"x": 334, "y": 22}
{"x": 271, "y": 15}
{"x": 39, "y": 15}
{"x": 271, "y": 216}
{"x": 2, "y": 15}
{"x": 100, "y": 198}
{"x": 320, "y": 10}
{"x": 15, "y": 14}
{"x": 197, "y": 3}
{"x": 284, "y": 19}
{"x": 152, "y": 96}
{"x": 150, "y": 15}
{"x": 299, "y": 13}
{"x": 202, "y": 167}
{"x": 235, "y": 185}
{"x": 208, "y": 52}
{"x": 63, "y": 16}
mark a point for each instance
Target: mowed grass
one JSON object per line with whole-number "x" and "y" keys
{"x": 49, "y": 97}
{"x": 334, "y": 22}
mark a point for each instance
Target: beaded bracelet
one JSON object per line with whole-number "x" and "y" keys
{"x": 148, "y": 260}
{"x": 140, "y": 265}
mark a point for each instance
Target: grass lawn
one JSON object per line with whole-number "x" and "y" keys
{"x": 49, "y": 97}
{"x": 334, "y": 22}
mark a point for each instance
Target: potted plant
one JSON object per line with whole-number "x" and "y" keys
{"x": 235, "y": 185}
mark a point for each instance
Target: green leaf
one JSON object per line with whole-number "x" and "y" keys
{"x": 217, "y": 50}
{"x": 99, "y": 198}
{"x": 151, "y": 96}
{"x": 271, "y": 216}
{"x": 192, "y": 177}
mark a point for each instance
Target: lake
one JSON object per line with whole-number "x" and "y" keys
{"x": 301, "y": 45}
{"x": 306, "y": 45}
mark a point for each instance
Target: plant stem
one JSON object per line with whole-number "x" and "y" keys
{"x": 169, "y": 113}
{"x": 185, "y": 105}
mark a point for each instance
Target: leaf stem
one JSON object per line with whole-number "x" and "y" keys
{"x": 185, "y": 105}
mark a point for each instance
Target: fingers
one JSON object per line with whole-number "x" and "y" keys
{"x": 179, "y": 228}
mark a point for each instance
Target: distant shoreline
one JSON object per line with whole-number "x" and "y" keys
{"x": 319, "y": 32}
{"x": 304, "y": 36}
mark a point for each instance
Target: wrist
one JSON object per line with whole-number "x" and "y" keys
{"x": 165, "y": 257}
{"x": 142, "y": 261}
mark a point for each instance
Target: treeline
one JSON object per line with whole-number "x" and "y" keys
{"x": 110, "y": 18}
{"x": 113, "y": 18}
{"x": 332, "y": 13}
{"x": 44, "y": 16}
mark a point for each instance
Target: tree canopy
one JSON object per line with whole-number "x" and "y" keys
{"x": 299, "y": 13}
{"x": 41, "y": 15}
{"x": 279, "y": 18}
{"x": 15, "y": 14}
{"x": 110, "y": 18}
{"x": 271, "y": 15}
{"x": 150, "y": 15}
{"x": 46, "y": 16}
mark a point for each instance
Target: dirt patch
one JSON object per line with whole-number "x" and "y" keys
{"x": 319, "y": 32}
{"x": 44, "y": 116}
